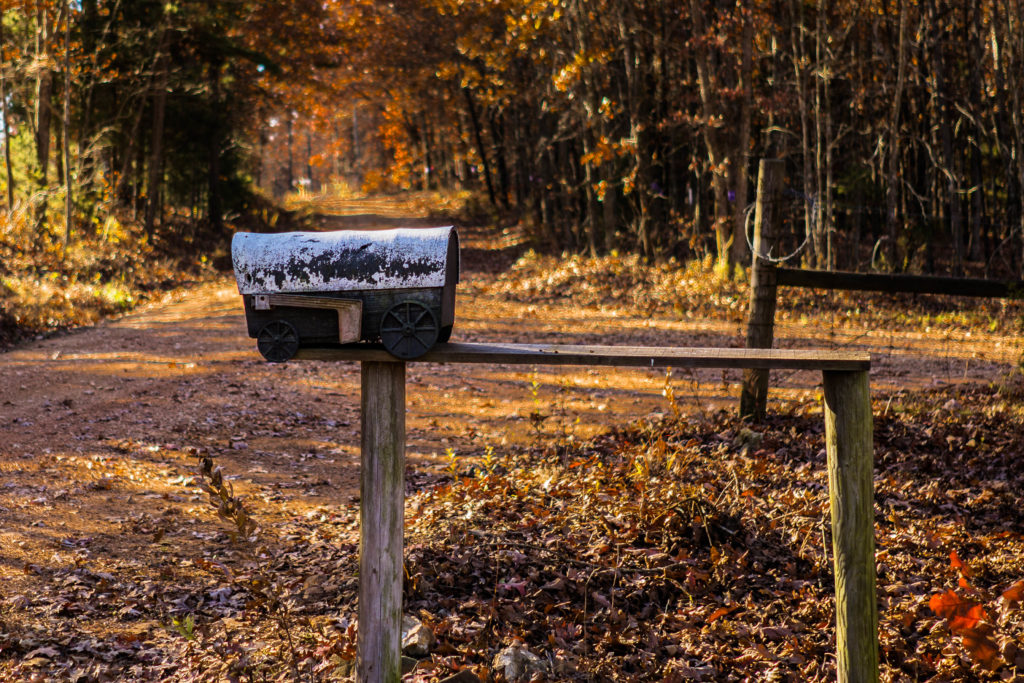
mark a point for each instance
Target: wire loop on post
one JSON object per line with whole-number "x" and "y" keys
{"x": 748, "y": 212}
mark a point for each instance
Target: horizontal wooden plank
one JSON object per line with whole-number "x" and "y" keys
{"x": 908, "y": 284}
{"x": 301, "y": 301}
{"x": 625, "y": 356}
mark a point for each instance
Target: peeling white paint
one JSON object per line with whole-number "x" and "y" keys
{"x": 337, "y": 261}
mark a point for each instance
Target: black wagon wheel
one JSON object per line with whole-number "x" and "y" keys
{"x": 408, "y": 329}
{"x": 277, "y": 341}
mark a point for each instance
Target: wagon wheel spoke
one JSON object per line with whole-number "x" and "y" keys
{"x": 277, "y": 341}
{"x": 408, "y": 329}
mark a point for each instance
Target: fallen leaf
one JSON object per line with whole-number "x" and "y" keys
{"x": 721, "y": 612}
{"x": 1014, "y": 593}
{"x": 982, "y": 648}
{"x": 959, "y": 564}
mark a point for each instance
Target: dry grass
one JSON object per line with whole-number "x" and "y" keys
{"x": 46, "y": 286}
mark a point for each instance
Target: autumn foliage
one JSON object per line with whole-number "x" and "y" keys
{"x": 966, "y": 617}
{"x": 602, "y": 125}
{"x": 637, "y": 126}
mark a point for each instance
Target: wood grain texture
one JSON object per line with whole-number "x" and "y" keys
{"x": 381, "y": 523}
{"x": 624, "y": 356}
{"x": 761, "y": 323}
{"x": 848, "y": 441}
{"x": 304, "y": 301}
{"x": 350, "y": 311}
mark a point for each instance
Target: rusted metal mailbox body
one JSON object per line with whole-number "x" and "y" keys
{"x": 316, "y": 288}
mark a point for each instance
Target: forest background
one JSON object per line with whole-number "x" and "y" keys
{"x": 138, "y": 135}
{"x": 601, "y": 125}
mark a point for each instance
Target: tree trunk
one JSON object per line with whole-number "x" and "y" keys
{"x": 717, "y": 156}
{"x": 154, "y": 184}
{"x": 952, "y": 181}
{"x": 977, "y": 182}
{"x": 826, "y": 69}
{"x": 3, "y": 112}
{"x": 740, "y": 252}
{"x": 291, "y": 153}
{"x": 478, "y": 138}
{"x": 893, "y": 151}
{"x": 309, "y": 159}
{"x": 66, "y": 124}
{"x": 85, "y": 159}
{"x": 498, "y": 135}
{"x": 820, "y": 105}
{"x": 129, "y": 155}
{"x": 1003, "y": 65}
{"x": 44, "y": 93}
{"x": 1014, "y": 47}
{"x": 800, "y": 67}
{"x": 216, "y": 217}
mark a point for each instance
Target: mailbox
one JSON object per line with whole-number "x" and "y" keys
{"x": 320, "y": 288}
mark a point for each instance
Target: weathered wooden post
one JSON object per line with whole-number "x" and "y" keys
{"x": 848, "y": 442}
{"x": 381, "y": 522}
{"x": 760, "y": 327}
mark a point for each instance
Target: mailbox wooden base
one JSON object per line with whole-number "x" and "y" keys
{"x": 381, "y": 521}
{"x": 848, "y": 437}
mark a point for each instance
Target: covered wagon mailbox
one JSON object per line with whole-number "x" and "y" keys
{"x": 324, "y": 288}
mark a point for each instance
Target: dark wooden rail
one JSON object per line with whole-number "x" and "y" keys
{"x": 766, "y": 277}
{"x": 909, "y": 284}
{"x": 848, "y": 440}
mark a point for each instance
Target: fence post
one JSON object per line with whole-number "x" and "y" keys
{"x": 761, "y": 324}
{"x": 848, "y": 443}
{"x": 381, "y": 523}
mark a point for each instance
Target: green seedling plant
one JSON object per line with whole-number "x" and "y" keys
{"x": 567, "y": 424}
{"x": 670, "y": 395}
{"x": 489, "y": 461}
{"x": 185, "y": 627}
{"x": 453, "y": 463}
{"x": 537, "y": 416}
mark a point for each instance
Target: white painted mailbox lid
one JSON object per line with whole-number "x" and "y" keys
{"x": 341, "y": 260}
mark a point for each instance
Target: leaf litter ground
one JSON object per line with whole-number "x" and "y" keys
{"x": 670, "y": 547}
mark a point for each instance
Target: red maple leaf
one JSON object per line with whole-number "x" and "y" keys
{"x": 1014, "y": 593}
{"x": 950, "y": 605}
{"x": 982, "y": 648}
{"x": 966, "y": 619}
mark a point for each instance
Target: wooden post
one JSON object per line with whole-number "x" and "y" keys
{"x": 381, "y": 522}
{"x": 848, "y": 436}
{"x": 848, "y": 441}
{"x": 760, "y": 327}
